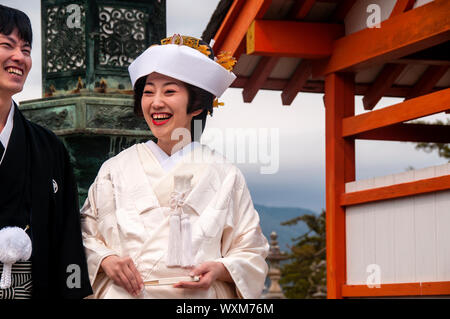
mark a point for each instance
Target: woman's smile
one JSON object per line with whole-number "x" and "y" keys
{"x": 161, "y": 118}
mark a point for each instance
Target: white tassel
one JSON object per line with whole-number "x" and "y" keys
{"x": 15, "y": 245}
{"x": 5, "y": 282}
{"x": 186, "y": 240}
{"x": 179, "y": 251}
{"x": 174, "y": 249}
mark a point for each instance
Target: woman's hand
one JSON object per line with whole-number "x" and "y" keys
{"x": 124, "y": 273}
{"x": 208, "y": 273}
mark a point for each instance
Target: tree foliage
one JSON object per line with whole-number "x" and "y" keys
{"x": 304, "y": 274}
{"x": 443, "y": 149}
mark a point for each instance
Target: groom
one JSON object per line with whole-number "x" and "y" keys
{"x": 37, "y": 186}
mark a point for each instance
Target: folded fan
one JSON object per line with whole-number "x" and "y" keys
{"x": 170, "y": 281}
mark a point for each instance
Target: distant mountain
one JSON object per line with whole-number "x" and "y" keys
{"x": 272, "y": 217}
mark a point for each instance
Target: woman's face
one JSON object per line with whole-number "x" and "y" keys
{"x": 164, "y": 105}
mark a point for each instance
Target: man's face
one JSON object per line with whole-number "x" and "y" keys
{"x": 15, "y": 63}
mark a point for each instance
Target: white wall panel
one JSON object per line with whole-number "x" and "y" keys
{"x": 355, "y": 249}
{"x": 409, "y": 238}
{"x": 425, "y": 230}
{"x": 384, "y": 230}
{"x": 443, "y": 228}
{"x": 404, "y": 246}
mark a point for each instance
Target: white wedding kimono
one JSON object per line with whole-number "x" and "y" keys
{"x": 127, "y": 214}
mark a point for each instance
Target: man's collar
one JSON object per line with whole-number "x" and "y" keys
{"x": 5, "y": 134}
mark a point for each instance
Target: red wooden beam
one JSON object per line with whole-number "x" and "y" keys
{"x": 406, "y": 132}
{"x": 342, "y": 8}
{"x": 240, "y": 50}
{"x": 340, "y": 169}
{"x": 301, "y": 9}
{"x": 297, "y": 81}
{"x": 397, "y": 290}
{"x": 227, "y": 23}
{"x": 318, "y": 86}
{"x": 404, "y": 34}
{"x": 292, "y": 39}
{"x": 422, "y": 186}
{"x": 408, "y": 110}
{"x": 382, "y": 83}
{"x": 236, "y": 23}
{"x": 402, "y": 6}
{"x": 427, "y": 81}
{"x": 407, "y": 60}
{"x": 436, "y": 55}
{"x": 270, "y": 84}
{"x": 259, "y": 77}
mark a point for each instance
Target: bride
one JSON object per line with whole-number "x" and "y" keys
{"x": 174, "y": 219}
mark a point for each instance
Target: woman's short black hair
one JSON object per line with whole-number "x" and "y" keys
{"x": 11, "y": 19}
{"x": 198, "y": 99}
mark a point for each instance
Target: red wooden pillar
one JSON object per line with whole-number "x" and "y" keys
{"x": 340, "y": 168}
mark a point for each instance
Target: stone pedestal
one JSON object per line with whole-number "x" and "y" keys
{"x": 274, "y": 274}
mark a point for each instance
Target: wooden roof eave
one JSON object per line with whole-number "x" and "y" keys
{"x": 276, "y": 38}
{"x": 345, "y": 53}
{"x": 317, "y": 86}
{"x": 271, "y": 39}
{"x": 398, "y": 36}
{"x": 390, "y": 71}
{"x": 427, "y": 81}
{"x": 236, "y": 23}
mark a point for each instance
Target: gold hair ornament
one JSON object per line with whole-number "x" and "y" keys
{"x": 224, "y": 59}
{"x": 216, "y": 103}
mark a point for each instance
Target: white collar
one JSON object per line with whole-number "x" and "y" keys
{"x": 5, "y": 134}
{"x": 168, "y": 162}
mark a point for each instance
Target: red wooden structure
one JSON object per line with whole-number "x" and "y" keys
{"x": 304, "y": 46}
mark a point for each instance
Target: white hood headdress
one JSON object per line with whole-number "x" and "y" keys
{"x": 186, "y": 61}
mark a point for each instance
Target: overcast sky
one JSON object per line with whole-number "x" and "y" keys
{"x": 300, "y": 179}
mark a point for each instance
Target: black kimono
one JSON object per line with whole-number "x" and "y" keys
{"x": 37, "y": 188}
